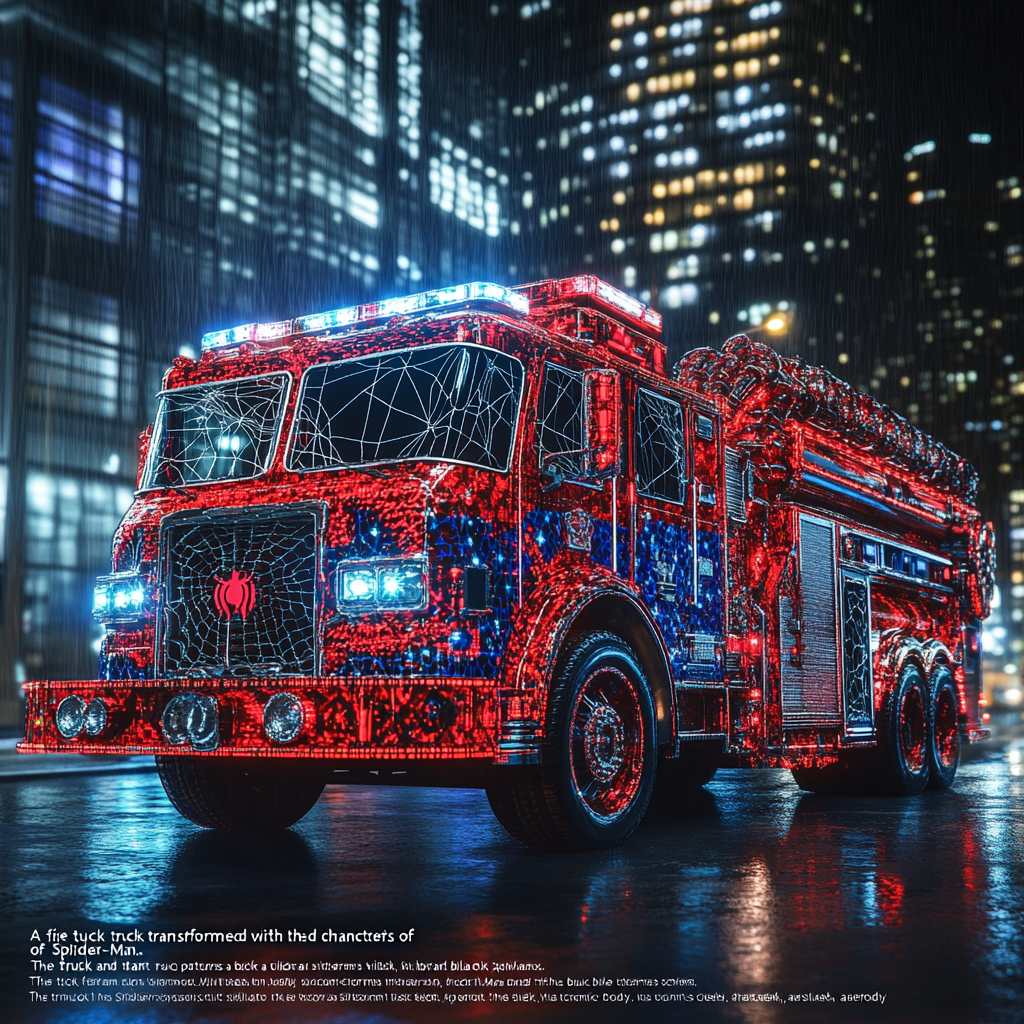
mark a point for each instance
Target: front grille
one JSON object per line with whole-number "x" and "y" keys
{"x": 240, "y": 593}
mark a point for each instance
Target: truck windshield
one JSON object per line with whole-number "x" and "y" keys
{"x": 449, "y": 403}
{"x": 210, "y": 432}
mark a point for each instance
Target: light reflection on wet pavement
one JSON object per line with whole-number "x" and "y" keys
{"x": 754, "y": 888}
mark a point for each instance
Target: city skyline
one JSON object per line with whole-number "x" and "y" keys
{"x": 233, "y": 160}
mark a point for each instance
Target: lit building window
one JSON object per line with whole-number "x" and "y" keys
{"x": 688, "y": 156}
{"x": 678, "y": 7}
{"x": 410, "y": 39}
{"x": 69, "y": 522}
{"x": 456, "y": 188}
{"x": 79, "y": 360}
{"x": 677, "y": 295}
{"x": 338, "y": 51}
{"x": 669, "y": 108}
{"x": 85, "y": 179}
{"x": 667, "y": 83}
{"x": 735, "y": 122}
{"x": 743, "y": 200}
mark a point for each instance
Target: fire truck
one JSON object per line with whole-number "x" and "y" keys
{"x": 487, "y": 537}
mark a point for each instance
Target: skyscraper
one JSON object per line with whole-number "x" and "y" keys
{"x": 956, "y": 366}
{"x": 733, "y": 165}
{"x": 167, "y": 168}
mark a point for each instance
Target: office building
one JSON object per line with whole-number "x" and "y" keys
{"x": 729, "y": 158}
{"x": 956, "y": 367}
{"x": 168, "y": 168}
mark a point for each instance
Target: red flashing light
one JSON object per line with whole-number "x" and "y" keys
{"x": 611, "y": 298}
{"x": 601, "y": 294}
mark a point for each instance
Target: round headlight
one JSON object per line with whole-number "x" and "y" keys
{"x": 191, "y": 718}
{"x": 95, "y": 716}
{"x": 282, "y": 717}
{"x": 71, "y": 716}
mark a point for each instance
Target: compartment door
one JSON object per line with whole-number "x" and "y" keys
{"x": 809, "y": 632}
{"x": 858, "y": 706}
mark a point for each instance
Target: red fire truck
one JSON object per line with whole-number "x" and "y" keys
{"x": 485, "y": 536}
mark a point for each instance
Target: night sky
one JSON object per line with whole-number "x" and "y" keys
{"x": 948, "y": 69}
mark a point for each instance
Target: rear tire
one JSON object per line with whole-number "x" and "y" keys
{"x": 245, "y": 793}
{"x": 903, "y": 751}
{"x": 851, "y": 775}
{"x": 599, "y": 759}
{"x": 943, "y": 730}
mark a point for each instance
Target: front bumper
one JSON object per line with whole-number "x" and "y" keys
{"x": 364, "y": 719}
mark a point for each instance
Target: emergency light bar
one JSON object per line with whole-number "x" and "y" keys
{"x": 440, "y": 298}
{"x": 601, "y": 294}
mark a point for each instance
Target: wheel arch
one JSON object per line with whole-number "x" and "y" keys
{"x": 575, "y": 603}
{"x": 899, "y": 649}
{"x": 618, "y": 615}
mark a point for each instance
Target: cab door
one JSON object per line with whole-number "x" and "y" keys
{"x": 664, "y": 526}
{"x": 572, "y": 491}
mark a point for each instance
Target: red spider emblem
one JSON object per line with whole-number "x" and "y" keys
{"x": 235, "y": 594}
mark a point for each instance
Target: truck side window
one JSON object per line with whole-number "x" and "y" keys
{"x": 660, "y": 448}
{"x": 560, "y": 420}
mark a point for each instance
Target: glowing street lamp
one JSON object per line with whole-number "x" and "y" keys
{"x": 776, "y": 323}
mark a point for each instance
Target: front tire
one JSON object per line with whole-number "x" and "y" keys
{"x": 599, "y": 759}
{"x": 245, "y": 793}
{"x": 943, "y": 730}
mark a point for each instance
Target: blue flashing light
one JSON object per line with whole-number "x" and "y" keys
{"x": 423, "y": 302}
{"x": 327, "y": 321}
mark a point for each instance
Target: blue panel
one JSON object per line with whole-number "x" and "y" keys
{"x": 664, "y": 574}
{"x": 453, "y": 541}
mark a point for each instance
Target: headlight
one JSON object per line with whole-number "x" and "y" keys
{"x": 282, "y": 717}
{"x": 389, "y": 583}
{"x": 401, "y": 585}
{"x": 119, "y": 596}
{"x": 71, "y": 716}
{"x": 191, "y": 718}
{"x": 95, "y": 716}
{"x": 358, "y": 585}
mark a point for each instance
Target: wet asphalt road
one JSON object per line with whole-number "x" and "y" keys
{"x": 756, "y": 888}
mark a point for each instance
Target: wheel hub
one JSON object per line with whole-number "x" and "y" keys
{"x": 603, "y": 743}
{"x": 913, "y": 729}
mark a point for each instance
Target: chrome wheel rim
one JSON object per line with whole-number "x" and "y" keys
{"x": 607, "y": 744}
{"x": 913, "y": 729}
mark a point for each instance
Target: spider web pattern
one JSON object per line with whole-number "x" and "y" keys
{"x": 278, "y": 551}
{"x": 560, "y": 420}
{"x": 856, "y": 648}
{"x": 451, "y": 403}
{"x": 216, "y": 431}
{"x": 660, "y": 452}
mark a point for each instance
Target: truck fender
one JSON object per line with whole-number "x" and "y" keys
{"x": 569, "y": 602}
{"x": 897, "y": 648}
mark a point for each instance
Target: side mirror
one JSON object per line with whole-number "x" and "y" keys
{"x": 603, "y": 398}
{"x": 144, "y": 439}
